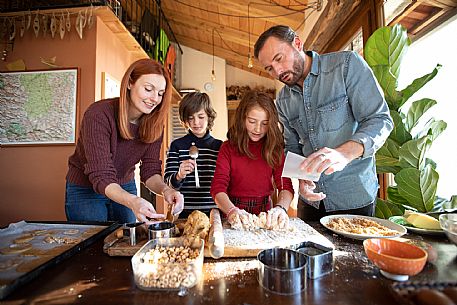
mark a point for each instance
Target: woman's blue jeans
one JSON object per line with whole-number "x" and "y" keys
{"x": 84, "y": 204}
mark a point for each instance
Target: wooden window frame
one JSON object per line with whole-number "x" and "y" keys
{"x": 369, "y": 16}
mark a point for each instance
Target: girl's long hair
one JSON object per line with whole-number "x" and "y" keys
{"x": 273, "y": 142}
{"x": 152, "y": 124}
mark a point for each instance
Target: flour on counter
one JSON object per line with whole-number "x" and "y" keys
{"x": 298, "y": 232}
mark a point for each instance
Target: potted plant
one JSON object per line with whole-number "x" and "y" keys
{"x": 404, "y": 154}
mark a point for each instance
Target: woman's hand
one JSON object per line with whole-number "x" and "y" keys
{"x": 175, "y": 198}
{"x": 143, "y": 210}
{"x": 186, "y": 167}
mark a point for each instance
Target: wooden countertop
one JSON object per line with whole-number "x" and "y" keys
{"x": 92, "y": 277}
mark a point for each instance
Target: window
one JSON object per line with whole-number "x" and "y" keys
{"x": 356, "y": 43}
{"x": 437, "y": 47}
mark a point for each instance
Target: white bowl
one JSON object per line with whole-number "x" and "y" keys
{"x": 448, "y": 223}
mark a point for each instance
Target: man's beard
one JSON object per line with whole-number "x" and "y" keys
{"x": 296, "y": 73}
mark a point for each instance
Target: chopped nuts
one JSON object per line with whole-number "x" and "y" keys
{"x": 168, "y": 267}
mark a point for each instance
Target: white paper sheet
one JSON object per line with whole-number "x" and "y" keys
{"x": 292, "y": 168}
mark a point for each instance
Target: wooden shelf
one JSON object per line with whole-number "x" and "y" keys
{"x": 232, "y": 104}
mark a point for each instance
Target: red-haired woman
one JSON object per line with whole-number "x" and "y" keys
{"x": 249, "y": 161}
{"x": 115, "y": 135}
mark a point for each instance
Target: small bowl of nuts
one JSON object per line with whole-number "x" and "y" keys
{"x": 168, "y": 264}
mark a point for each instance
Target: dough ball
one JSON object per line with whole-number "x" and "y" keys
{"x": 197, "y": 224}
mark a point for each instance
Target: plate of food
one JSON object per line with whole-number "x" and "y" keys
{"x": 425, "y": 231}
{"x": 418, "y": 223}
{"x": 362, "y": 227}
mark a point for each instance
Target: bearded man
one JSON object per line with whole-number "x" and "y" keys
{"x": 333, "y": 113}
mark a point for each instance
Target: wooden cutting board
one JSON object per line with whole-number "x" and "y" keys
{"x": 250, "y": 243}
{"x": 237, "y": 243}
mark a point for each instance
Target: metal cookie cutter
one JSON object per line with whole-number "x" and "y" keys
{"x": 129, "y": 230}
{"x": 320, "y": 258}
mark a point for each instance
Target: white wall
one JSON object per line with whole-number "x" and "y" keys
{"x": 196, "y": 71}
{"x": 438, "y": 47}
{"x": 238, "y": 77}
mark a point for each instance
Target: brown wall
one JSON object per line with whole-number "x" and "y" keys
{"x": 112, "y": 57}
{"x": 32, "y": 178}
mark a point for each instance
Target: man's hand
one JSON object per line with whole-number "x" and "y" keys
{"x": 329, "y": 160}
{"x": 306, "y": 189}
{"x": 326, "y": 160}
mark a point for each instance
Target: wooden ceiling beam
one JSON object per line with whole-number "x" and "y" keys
{"x": 445, "y": 4}
{"x": 258, "y": 8}
{"x": 437, "y": 21}
{"x": 240, "y": 8}
{"x": 231, "y": 57}
{"x": 410, "y": 8}
{"x": 418, "y": 27}
{"x": 333, "y": 18}
{"x": 198, "y": 24}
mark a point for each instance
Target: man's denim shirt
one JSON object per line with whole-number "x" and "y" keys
{"x": 340, "y": 101}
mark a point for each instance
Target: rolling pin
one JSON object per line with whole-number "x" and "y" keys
{"x": 216, "y": 235}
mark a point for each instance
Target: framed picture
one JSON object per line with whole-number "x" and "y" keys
{"x": 110, "y": 86}
{"x": 38, "y": 107}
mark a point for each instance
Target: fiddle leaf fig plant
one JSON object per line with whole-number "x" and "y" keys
{"x": 404, "y": 153}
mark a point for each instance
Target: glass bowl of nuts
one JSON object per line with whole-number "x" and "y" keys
{"x": 168, "y": 264}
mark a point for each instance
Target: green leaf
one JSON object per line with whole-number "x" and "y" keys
{"x": 431, "y": 162}
{"x": 385, "y": 209}
{"x": 399, "y": 133}
{"x": 387, "y": 158}
{"x": 417, "y": 181}
{"x": 418, "y": 187}
{"x": 415, "y": 112}
{"x": 387, "y": 169}
{"x": 386, "y": 46}
{"x": 435, "y": 128}
{"x": 451, "y": 204}
{"x": 388, "y": 83}
{"x": 417, "y": 84}
{"x": 412, "y": 153}
{"x": 381, "y": 209}
{"x": 394, "y": 197}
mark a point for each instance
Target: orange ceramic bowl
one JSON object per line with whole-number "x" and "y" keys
{"x": 394, "y": 256}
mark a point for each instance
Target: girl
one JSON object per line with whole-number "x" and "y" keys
{"x": 249, "y": 161}
{"x": 197, "y": 115}
{"x": 116, "y": 134}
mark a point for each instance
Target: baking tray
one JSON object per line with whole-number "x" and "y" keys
{"x": 16, "y": 279}
{"x": 403, "y": 291}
